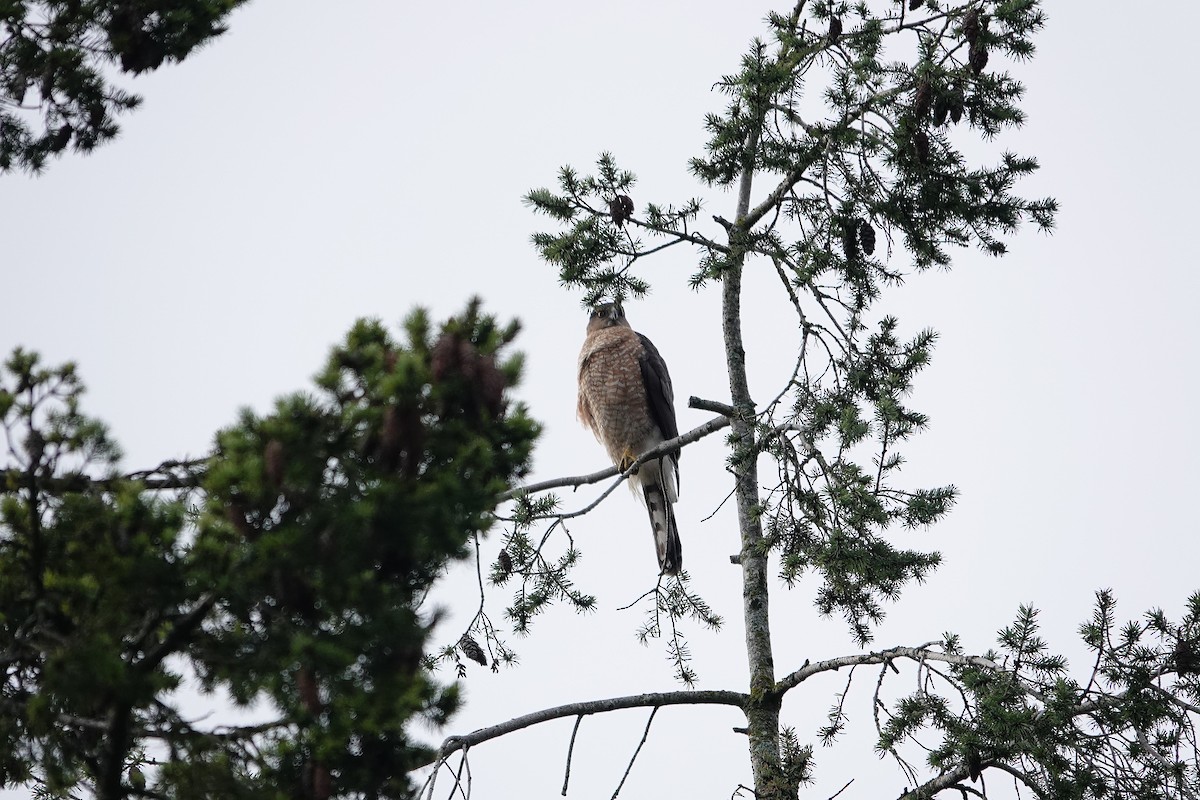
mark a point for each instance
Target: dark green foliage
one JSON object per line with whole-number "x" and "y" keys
{"x": 1130, "y": 732}
{"x": 597, "y": 236}
{"x": 321, "y": 565}
{"x": 542, "y": 580}
{"x": 93, "y": 596}
{"x": 54, "y": 55}
{"x": 831, "y": 510}
{"x": 676, "y": 601}
{"x": 298, "y": 581}
{"x": 795, "y": 761}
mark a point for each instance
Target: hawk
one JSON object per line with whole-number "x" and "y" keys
{"x": 626, "y": 400}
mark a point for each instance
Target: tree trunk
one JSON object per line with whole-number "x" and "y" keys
{"x": 762, "y": 712}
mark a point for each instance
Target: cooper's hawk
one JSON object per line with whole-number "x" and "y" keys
{"x": 626, "y": 399}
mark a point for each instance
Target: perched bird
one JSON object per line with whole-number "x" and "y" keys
{"x": 626, "y": 399}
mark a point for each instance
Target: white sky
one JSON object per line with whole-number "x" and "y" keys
{"x": 310, "y": 168}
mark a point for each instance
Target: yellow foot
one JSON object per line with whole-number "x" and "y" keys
{"x": 627, "y": 459}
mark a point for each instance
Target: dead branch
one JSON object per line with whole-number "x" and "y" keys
{"x": 709, "y": 697}
{"x": 922, "y": 653}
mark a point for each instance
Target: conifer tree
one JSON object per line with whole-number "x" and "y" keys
{"x": 843, "y": 144}
{"x": 56, "y": 58}
{"x": 290, "y": 572}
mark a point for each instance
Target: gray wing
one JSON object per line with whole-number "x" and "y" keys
{"x": 660, "y": 395}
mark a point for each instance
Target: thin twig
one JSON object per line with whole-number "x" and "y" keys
{"x": 570, "y": 752}
{"x": 844, "y": 788}
{"x": 645, "y": 733}
{"x": 458, "y": 778}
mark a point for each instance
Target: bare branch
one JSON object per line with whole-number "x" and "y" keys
{"x": 943, "y": 781}
{"x": 712, "y": 405}
{"x": 653, "y": 700}
{"x": 668, "y": 446}
{"x": 881, "y": 657}
{"x": 166, "y": 476}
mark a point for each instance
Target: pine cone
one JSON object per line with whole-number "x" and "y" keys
{"x": 451, "y": 356}
{"x": 505, "y": 560}
{"x": 454, "y": 357}
{"x": 61, "y": 139}
{"x": 974, "y": 764}
{"x": 621, "y": 209}
{"x": 471, "y": 649}
{"x": 922, "y": 99}
{"x": 920, "y": 143}
{"x": 835, "y": 29}
{"x": 866, "y": 236}
{"x": 941, "y": 109}
{"x": 489, "y": 385}
{"x": 971, "y": 25}
{"x": 390, "y": 439}
{"x": 273, "y": 463}
{"x": 979, "y": 56}
{"x": 849, "y": 242}
{"x": 956, "y": 109}
{"x": 1187, "y": 657}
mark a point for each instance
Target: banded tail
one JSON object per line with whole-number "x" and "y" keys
{"x": 666, "y": 532}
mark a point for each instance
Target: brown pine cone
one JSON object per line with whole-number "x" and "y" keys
{"x": 920, "y": 143}
{"x": 621, "y": 209}
{"x": 971, "y": 26}
{"x": 922, "y": 99}
{"x": 849, "y": 242}
{"x": 866, "y": 236}
{"x": 941, "y": 109}
{"x": 835, "y": 29}
{"x": 979, "y": 56}
{"x": 471, "y": 649}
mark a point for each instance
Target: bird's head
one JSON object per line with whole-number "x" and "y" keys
{"x": 607, "y": 315}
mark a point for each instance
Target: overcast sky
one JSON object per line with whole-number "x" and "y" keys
{"x": 316, "y": 165}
